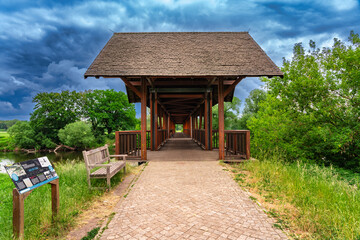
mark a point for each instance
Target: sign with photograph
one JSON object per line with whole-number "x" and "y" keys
{"x": 31, "y": 174}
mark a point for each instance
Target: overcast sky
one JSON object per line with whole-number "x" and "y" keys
{"x": 47, "y": 45}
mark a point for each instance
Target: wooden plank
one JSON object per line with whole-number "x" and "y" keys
{"x": 143, "y": 119}
{"x": 221, "y": 120}
{"x": 134, "y": 89}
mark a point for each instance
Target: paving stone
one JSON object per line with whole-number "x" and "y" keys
{"x": 189, "y": 200}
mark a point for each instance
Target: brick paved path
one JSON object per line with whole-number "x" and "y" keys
{"x": 188, "y": 200}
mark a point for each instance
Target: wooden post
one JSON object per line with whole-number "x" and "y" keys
{"x": 117, "y": 143}
{"x": 18, "y": 214}
{"x": 143, "y": 119}
{"x": 206, "y": 121}
{"x": 152, "y": 142}
{"x": 191, "y": 126}
{"x": 168, "y": 125}
{"x": 156, "y": 119}
{"x": 248, "y": 145}
{"x": 210, "y": 120}
{"x": 55, "y": 199}
{"x": 221, "y": 119}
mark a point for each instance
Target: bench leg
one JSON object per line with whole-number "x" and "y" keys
{"x": 124, "y": 169}
{"x": 108, "y": 182}
{"x": 89, "y": 182}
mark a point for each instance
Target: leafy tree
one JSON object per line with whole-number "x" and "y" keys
{"x": 54, "y": 111}
{"x": 23, "y": 135}
{"x": 6, "y": 124}
{"x": 313, "y": 111}
{"x": 252, "y": 106}
{"x": 108, "y": 110}
{"x": 77, "y": 134}
{"x": 231, "y": 114}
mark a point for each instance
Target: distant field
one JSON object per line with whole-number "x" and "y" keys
{"x": 4, "y": 139}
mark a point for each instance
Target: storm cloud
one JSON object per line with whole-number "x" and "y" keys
{"x": 48, "y": 45}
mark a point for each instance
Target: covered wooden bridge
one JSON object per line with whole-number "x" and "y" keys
{"x": 180, "y": 76}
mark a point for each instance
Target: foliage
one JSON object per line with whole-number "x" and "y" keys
{"x": 252, "y": 106}
{"x": 6, "y": 124}
{"x": 53, "y": 111}
{"x": 77, "y": 134}
{"x": 23, "y": 135}
{"x": 231, "y": 114}
{"x": 310, "y": 201}
{"x": 313, "y": 111}
{"x": 4, "y": 141}
{"x": 109, "y": 110}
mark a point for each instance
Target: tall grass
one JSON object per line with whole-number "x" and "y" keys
{"x": 74, "y": 198}
{"x": 312, "y": 201}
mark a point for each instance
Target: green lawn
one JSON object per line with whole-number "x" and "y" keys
{"x": 4, "y": 140}
{"x": 310, "y": 201}
{"x": 74, "y": 198}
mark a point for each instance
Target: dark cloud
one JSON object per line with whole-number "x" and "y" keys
{"x": 46, "y": 45}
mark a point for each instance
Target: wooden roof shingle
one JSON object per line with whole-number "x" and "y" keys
{"x": 182, "y": 54}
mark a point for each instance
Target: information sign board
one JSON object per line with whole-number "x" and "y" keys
{"x": 31, "y": 174}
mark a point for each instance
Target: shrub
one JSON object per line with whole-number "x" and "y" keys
{"x": 77, "y": 134}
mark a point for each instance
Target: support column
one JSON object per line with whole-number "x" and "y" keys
{"x": 221, "y": 119}
{"x": 143, "y": 119}
{"x": 208, "y": 121}
{"x": 156, "y": 122}
{"x": 152, "y": 122}
{"x": 191, "y": 126}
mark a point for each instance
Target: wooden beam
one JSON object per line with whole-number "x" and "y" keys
{"x": 128, "y": 83}
{"x": 143, "y": 119}
{"x": 181, "y": 95}
{"x": 232, "y": 86}
{"x": 211, "y": 82}
{"x": 221, "y": 120}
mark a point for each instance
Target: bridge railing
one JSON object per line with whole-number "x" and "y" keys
{"x": 237, "y": 143}
{"x": 199, "y": 137}
{"x": 129, "y": 142}
{"x": 186, "y": 131}
{"x": 162, "y": 136}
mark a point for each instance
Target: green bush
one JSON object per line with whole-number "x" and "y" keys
{"x": 23, "y": 135}
{"x": 77, "y": 134}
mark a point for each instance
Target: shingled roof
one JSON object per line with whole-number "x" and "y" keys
{"x": 182, "y": 54}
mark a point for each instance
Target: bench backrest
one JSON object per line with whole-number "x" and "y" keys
{"x": 96, "y": 156}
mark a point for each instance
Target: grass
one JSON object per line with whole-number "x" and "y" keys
{"x": 74, "y": 198}
{"x": 4, "y": 140}
{"x": 310, "y": 201}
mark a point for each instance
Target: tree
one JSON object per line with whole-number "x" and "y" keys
{"x": 108, "y": 110}
{"x": 231, "y": 114}
{"x": 23, "y": 135}
{"x": 252, "y": 106}
{"x": 77, "y": 134}
{"x": 54, "y": 111}
{"x": 313, "y": 111}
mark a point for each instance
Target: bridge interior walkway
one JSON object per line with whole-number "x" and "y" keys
{"x": 182, "y": 148}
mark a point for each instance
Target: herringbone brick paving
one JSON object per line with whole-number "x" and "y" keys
{"x": 189, "y": 200}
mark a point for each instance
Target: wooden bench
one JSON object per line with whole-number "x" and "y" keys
{"x": 96, "y": 158}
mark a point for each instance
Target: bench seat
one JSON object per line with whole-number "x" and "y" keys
{"x": 115, "y": 167}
